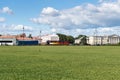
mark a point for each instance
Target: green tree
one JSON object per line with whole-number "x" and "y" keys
{"x": 64, "y": 37}
{"x": 70, "y": 39}
{"x": 30, "y": 36}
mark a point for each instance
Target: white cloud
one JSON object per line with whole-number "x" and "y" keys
{"x": 53, "y": 30}
{"x": 83, "y": 17}
{"x": 20, "y": 27}
{"x": 15, "y": 29}
{"x": 49, "y": 11}
{"x": 100, "y": 31}
{"x": 2, "y": 19}
{"x": 105, "y": 14}
{"x": 6, "y": 10}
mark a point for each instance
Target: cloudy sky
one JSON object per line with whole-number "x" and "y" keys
{"x": 71, "y": 17}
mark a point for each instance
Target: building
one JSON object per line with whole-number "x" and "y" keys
{"x": 46, "y": 38}
{"x": 105, "y": 40}
{"x": 23, "y": 40}
{"x": 8, "y": 40}
{"x": 113, "y": 39}
{"x": 94, "y": 40}
{"x": 78, "y": 41}
{"x": 102, "y": 40}
{"x": 17, "y": 40}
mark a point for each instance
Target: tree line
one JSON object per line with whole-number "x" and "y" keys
{"x": 71, "y": 39}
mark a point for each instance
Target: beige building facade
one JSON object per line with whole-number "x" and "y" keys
{"x": 102, "y": 40}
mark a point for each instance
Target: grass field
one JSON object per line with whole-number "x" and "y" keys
{"x": 59, "y": 63}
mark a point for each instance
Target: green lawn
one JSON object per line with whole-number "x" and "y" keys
{"x": 59, "y": 63}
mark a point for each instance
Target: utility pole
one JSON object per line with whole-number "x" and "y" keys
{"x": 23, "y": 32}
{"x": 40, "y": 36}
{"x": 95, "y": 36}
{"x": 40, "y": 33}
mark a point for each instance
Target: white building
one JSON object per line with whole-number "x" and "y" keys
{"x": 94, "y": 40}
{"x": 78, "y": 41}
{"x": 105, "y": 40}
{"x": 7, "y": 40}
{"x": 113, "y": 39}
{"x": 101, "y": 40}
{"x": 52, "y": 37}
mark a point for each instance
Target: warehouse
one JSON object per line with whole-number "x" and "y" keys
{"x": 7, "y": 40}
{"x": 17, "y": 40}
{"x": 54, "y": 38}
{"x": 27, "y": 42}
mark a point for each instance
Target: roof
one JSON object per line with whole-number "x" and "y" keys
{"x": 8, "y": 36}
{"x": 17, "y": 37}
{"x": 114, "y": 35}
{"x": 50, "y": 35}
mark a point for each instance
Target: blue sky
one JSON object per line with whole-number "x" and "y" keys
{"x": 25, "y": 9}
{"x": 63, "y": 16}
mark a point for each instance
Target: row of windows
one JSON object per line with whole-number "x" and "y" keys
{"x": 5, "y": 41}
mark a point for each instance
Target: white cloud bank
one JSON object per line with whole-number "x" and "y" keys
{"x": 105, "y": 15}
{"x": 15, "y": 29}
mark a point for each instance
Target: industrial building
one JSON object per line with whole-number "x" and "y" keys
{"x": 51, "y": 38}
{"x": 17, "y": 40}
{"x": 7, "y": 40}
{"x": 23, "y": 40}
